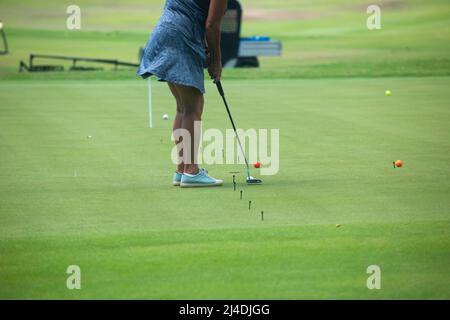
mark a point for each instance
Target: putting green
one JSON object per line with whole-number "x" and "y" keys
{"x": 105, "y": 203}
{"x": 84, "y": 181}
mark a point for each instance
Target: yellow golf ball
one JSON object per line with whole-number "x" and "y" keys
{"x": 388, "y": 92}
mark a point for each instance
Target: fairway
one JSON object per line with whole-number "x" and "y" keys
{"x": 106, "y": 203}
{"x": 84, "y": 181}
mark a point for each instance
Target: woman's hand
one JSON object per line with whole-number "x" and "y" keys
{"x": 214, "y": 67}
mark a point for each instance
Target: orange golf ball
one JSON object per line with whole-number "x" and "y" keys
{"x": 257, "y": 164}
{"x": 398, "y": 163}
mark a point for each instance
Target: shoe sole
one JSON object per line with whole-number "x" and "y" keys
{"x": 176, "y": 183}
{"x": 199, "y": 185}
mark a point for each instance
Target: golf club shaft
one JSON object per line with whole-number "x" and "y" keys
{"x": 222, "y": 94}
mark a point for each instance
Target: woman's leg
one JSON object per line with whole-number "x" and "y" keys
{"x": 192, "y": 108}
{"x": 177, "y": 125}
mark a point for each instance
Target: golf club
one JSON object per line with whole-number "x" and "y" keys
{"x": 250, "y": 179}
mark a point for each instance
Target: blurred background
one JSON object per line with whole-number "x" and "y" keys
{"x": 321, "y": 38}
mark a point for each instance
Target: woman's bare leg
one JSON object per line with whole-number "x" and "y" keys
{"x": 192, "y": 108}
{"x": 177, "y": 125}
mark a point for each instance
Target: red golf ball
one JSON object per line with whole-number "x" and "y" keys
{"x": 257, "y": 164}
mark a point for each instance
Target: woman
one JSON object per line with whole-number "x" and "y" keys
{"x": 176, "y": 54}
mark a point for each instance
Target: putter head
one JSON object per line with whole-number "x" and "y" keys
{"x": 251, "y": 180}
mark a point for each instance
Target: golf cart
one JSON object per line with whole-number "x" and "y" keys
{"x": 243, "y": 52}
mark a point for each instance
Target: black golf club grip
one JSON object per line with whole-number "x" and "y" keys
{"x": 219, "y": 87}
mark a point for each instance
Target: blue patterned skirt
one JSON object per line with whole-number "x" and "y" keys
{"x": 175, "y": 52}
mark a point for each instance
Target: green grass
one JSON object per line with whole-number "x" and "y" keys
{"x": 106, "y": 203}
{"x": 315, "y": 262}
